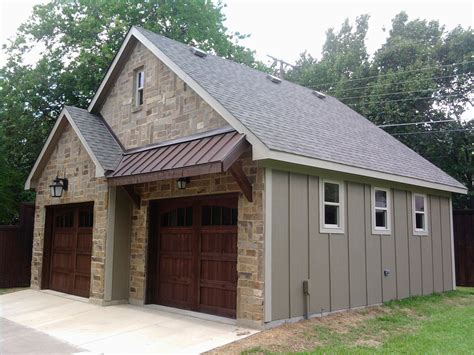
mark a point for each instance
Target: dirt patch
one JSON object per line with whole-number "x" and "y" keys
{"x": 306, "y": 334}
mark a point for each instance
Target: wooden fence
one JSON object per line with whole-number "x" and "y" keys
{"x": 463, "y": 223}
{"x": 15, "y": 250}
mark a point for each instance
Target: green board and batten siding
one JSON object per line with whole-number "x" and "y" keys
{"x": 347, "y": 270}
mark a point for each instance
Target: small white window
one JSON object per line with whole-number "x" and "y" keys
{"x": 420, "y": 214}
{"x": 140, "y": 84}
{"x": 381, "y": 211}
{"x": 331, "y": 206}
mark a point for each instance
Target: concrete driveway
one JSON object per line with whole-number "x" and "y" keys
{"x": 48, "y": 322}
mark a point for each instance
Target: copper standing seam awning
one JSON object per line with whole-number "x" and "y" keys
{"x": 197, "y": 156}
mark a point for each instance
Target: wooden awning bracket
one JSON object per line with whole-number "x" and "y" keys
{"x": 241, "y": 179}
{"x": 133, "y": 195}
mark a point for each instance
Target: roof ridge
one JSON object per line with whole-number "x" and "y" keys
{"x": 140, "y": 28}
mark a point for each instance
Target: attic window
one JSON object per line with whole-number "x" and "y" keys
{"x": 273, "y": 79}
{"x": 318, "y": 94}
{"x": 198, "y": 52}
{"x": 139, "y": 87}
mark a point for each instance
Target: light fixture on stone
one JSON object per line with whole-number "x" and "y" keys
{"x": 58, "y": 185}
{"x": 181, "y": 183}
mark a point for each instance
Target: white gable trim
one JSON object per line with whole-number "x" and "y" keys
{"x": 259, "y": 150}
{"x": 64, "y": 117}
{"x": 107, "y": 76}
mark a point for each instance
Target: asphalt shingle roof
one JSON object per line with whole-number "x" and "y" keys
{"x": 287, "y": 117}
{"x": 98, "y": 137}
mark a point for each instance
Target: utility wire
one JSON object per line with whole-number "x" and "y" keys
{"x": 388, "y": 93}
{"x": 414, "y": 123}
{"x": 411, "y": 99}
{"x": 398, "y": 72}
{"x": 437, "y": 131}
{"x": 395, "y": 83}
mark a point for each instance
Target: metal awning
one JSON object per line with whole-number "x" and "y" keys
{"x": 197, "y": 155}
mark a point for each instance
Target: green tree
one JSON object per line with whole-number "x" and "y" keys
{"x": 344, "y": 60}
{"x": 78, "y": 40}
{"x": 421, "y": 73}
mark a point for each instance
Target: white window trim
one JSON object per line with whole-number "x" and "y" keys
{"x": 382, "y": 230}
{"x": 138, "y": 88}
{"x": 418, "y": 231}
{"x": 332, "y": 228}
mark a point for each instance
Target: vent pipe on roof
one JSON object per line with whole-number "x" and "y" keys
{"x": 273, "y": 79}
{"x": 319, "y": 94}
{"x": 198, "y": 52}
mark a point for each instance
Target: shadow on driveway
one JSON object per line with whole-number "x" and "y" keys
{"x": 16, "y": 338}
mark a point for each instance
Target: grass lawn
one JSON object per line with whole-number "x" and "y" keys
{"x": 440, "y": 323}
{"x": 4, "y": 291}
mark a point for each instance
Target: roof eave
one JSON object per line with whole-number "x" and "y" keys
{"x": 348, "y": 169}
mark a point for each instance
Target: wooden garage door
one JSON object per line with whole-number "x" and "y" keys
{"x": 71, "y": 248}
{"x": 196, "y": 264}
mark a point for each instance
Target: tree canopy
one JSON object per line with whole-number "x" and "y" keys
{"x": 75, "y": 42}
{"x": 422, "y": 73}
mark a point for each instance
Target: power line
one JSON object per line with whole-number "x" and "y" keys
{"x": 414, "y": 123}
{"x": 437, "y": 131}
{"x": 398, "y": 72}
{"x": 398, "y": 82}
{"x": 388, "y": 93}
{"x": 411, "y": 99}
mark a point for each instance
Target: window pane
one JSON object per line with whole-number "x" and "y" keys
{"x": 140, "y": 79}
{"x": 216, "y": 215}
{"x": 86, "y": 219}
{"x": 380, "y": 198}
{"x": 189, "y": 216}
{"x": 226, "y": 216}
{"x": 181, "y": 217}
{"x": 65, "y": 221}
{"x": 419, "y": 203}
{"x": 381, "y": 218}
{"x": 420, "y": 221}
{"x": 331, "y": 192}
{"x": 331, "y": 215}
{"x": 234, "y": 216}
{"x": 140, "y": 97}
{"x": 206, "y": 216}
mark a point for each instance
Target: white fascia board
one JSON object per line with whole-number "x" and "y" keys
{"x": 64, "y": 115}
{"x": 342, "y": 168}
{"x": 111, "y": 69}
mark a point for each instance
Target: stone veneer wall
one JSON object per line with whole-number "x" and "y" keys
{"x": 171, "y": 109}
{"x": 250, "y": 261}
{"x": 71, "y": 157}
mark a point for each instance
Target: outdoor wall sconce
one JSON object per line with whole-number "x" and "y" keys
{"x": 58, "y": 185}
{"x": 181, "y": 183}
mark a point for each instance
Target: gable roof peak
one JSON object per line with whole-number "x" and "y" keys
{"x": 287, "y": 122}
{"x": 103, "y": 147}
